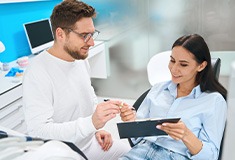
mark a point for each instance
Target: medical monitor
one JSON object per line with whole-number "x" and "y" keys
{"x": 39, "y": 35}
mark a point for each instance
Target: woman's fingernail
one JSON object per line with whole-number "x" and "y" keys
{"x": 121, "y": 105}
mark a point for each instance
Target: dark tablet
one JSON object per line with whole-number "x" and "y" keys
{"x": 143, "y": 127}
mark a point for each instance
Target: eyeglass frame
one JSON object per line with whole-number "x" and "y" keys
{"x": 85, "y": 37}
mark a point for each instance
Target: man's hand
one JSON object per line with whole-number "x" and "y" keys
{"x": 104, "y": 139}
{"x": 104, "y": 112}
{"x": 128, "y": 113}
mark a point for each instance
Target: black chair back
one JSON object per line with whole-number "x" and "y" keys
{"x": 216, "y": 64}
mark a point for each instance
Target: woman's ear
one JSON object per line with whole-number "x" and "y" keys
{"x": 202, "y": 66}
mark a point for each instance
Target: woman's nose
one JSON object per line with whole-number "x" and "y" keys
{"x": 174, "y": 68}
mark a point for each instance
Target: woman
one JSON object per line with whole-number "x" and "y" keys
{"x": 194, "y": 95}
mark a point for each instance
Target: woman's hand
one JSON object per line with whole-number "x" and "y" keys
{"x": 177, "y": 131}
{"x": 104, "y": 139}
{"x": 127, "y": 112}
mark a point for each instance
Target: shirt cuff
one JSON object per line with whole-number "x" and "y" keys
{"x": 85, "y": 126}
{"x": 205, "y": 153}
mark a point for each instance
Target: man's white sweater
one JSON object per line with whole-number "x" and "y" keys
{"x": 58, "y": 99}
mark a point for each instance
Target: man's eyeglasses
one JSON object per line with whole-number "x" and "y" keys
{"x": 86, "y": 36}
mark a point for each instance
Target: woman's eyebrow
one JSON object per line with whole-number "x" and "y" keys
{"x": 184, "y": 61}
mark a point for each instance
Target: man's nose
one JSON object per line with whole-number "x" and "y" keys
{"x": 91, "y": 42}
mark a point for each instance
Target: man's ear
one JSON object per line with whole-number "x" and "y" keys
{"x": 60, "y": 33}
{"x": 202, "y": 66}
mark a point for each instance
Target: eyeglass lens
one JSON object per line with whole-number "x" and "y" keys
{"x": 93, "y": 35}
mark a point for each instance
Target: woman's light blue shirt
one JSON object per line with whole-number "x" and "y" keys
{"x": 203, "y": 113}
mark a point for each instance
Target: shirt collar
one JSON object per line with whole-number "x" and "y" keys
{"x": 172, "y": 87}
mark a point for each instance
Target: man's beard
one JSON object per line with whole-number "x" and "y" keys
{"x": 75, "y": 54}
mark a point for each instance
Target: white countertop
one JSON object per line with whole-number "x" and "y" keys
{"x": 7, "y": 83}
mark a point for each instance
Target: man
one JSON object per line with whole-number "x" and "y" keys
{"x": 59, "y": 101}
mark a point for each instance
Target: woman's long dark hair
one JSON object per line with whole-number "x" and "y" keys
{"x": 195, "y": 44}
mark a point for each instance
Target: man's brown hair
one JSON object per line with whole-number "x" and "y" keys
{"x": 68, "y": 12}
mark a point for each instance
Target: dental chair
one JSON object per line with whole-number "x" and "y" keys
{"x": 157, "y": 71}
